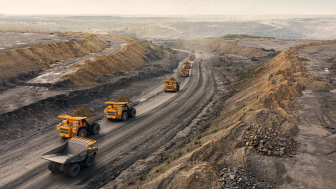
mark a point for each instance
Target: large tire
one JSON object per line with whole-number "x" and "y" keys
{"x": 132, "y": 112}
{"x": 90, "y": 160}
{"x": 124, "y": 116}
{"x": 55, "y": 167}
{"x": 50, "y": 164}
{"x": 95, "y": 129}
{"x": 73, "y": 170}
{"x": 82, "y": 132}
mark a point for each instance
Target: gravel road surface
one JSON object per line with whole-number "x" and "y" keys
{"x": 159, "y": 117}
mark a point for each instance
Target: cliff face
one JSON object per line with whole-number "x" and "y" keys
{"x": 25, "y": 60}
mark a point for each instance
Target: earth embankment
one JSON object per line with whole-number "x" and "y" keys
{"x": 26, "y": 60}
{"x": 129, "y": 58}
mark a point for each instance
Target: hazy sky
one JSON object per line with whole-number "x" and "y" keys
{"x": 169, "y": 7}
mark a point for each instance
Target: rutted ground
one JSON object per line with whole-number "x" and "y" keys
{"x": 222, "y": 124}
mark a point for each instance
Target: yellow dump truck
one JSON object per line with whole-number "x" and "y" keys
{"x": 70, "y": 157}
{"x": 187, "y": 65}
{"x": 184, "y": 72}
{"x": 119, "y": 110}
{"x": 78, "y": 126}
{"x": 171, "y": 85}
{"x": 254, "y": 58}
{"x": 223, "y": 59}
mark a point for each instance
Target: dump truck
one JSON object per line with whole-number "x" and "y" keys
{"x": 78, "y": 126}
{"x": 223, "y": 59}
{"x": 192, "y": 57}
{"x": 119, "y": 110}
{"x": 68, "y": 158}
{"x": 254, "y": 58}
{"x": 184, "y": 72}
{"x": 171, "y": 85}
{"x": 187, "y": 65}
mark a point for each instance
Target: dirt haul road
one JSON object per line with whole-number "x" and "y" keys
{"x": 159, "y": 117}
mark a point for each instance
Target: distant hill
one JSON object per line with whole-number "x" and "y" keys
{"x": 242, "y": 36}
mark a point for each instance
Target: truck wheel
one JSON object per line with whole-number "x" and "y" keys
{"x": 82, "y": 132}
{"x": 50, "y": 164}
{"x": 124, "y": 116}
{"x": 133, "y": 112}
{"x": 73, "y": 170}
{"x": 55, "y": 167}
{"x": 90, "y": 160}
{"x": 95, "y": 129}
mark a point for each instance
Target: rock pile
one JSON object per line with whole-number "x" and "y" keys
{"x": 172, "y": 79}
{"x": 270, "y": 142}
{"x": 123, "y": 99}
{"x": 83, "y": 112}
{"x": 237, "y": 177}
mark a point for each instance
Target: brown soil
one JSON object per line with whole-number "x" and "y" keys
{"x": 125, "y": 60}
{"x": 83, "y": 112}
{"x": 76, "y": 65}
{"x": 22, "y": 61}
{"x": 123, "y": 99}
{"x": 172, "y": 79}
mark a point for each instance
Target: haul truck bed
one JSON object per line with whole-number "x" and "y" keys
{"x": 75, "y": 152}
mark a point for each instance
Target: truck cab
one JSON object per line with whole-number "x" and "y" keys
{"x": 77, "y": 126}
{"x": 171, "y": 85}
{"x": 119, "y": 110}
{"x": 223, "y": 59}
{"x": 184, "y": 72}
{"x": 187, "y": 65}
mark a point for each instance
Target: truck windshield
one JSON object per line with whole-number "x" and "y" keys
{"x": 120, "y": 107}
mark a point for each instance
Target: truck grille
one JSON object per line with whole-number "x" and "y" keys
{"x": 65, "y": 132}
{"x": 169, "y": 87}
{"x": 111, "y": 113}
{"x": 62, "y": 129}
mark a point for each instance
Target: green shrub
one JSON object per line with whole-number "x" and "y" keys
{"x": 179, "y": 154}
{"x": 142, "y": 177}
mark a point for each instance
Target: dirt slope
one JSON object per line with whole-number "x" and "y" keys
{"x": 130, "y": 57}
{"x": 23, "y": 61}
{"x": 223, "y": 46}
{"x": 257, "y": 130}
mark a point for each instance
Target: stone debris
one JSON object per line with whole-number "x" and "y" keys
{"x": 237, "y": 177}
{"x": 268, "y": 141}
